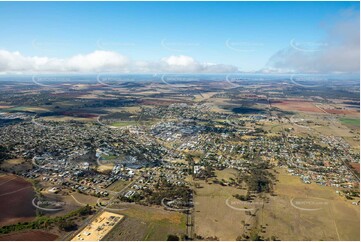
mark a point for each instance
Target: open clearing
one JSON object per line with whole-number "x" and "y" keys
{"x": 16, "y": 165}
{"x": 148, "y": 223}
{"x": 298, "y": 212}
{"x": 296, "y": 105}
{"x": 213, "y": 217}
{"x": 309, "y": 212}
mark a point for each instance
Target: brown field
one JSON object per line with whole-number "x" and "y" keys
{"x": 29, "y": 236}
{"x": 213, "y": 218}
{"x": 162, "y": 102}
{"x": 68, "y": 118}
{"x": 296, "y": 105}
{"x": 147, "y": 223}
{"x": 327, "y": 216}
{"x": 16, "y": 195}
{"x": 355, "y": 166}
{"x": 342, "y": 111}
{"x": 330, "y": 217}
{"x": 79, "y": 199}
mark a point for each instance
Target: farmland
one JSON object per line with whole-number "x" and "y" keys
{"x": 16, "y": 195}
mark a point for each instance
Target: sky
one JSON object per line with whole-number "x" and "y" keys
{"x": 179, "y": 37}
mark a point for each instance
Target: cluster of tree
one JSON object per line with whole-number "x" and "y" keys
{"x": 67, "y": 225}
{"x": 172, "y": 237}
{"x": 136, "y": 198}
{"x": 210, "y": 238}
{"x": 258, "y": 178}
{"x": 255, "y": 235}
{"x": 246, "y": 197}
{"x": 64, "y": 222}
{"x": 168, "y": 190}
{"x": 4, "y": 153}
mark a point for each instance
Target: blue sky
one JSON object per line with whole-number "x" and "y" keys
{"x": 241, "y": 34}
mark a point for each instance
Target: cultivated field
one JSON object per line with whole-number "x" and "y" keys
{"x": 33, "y": 235}
{"x": 296, "y": 105}
{"x": 16, "y": 195}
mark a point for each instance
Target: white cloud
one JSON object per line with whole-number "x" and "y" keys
{"x": 338, "y": 52}
{"x": 103, "y": 61}
{"x": 97, "y": 61}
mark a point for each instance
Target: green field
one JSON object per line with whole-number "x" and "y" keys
{"x": 109, "y": 157}
{"x": 350, "y": 121}
{"x": 123, "y": 123}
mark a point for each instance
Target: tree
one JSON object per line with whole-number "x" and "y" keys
{"x": 172, "y": 237}
{"x": 67, "y": 225}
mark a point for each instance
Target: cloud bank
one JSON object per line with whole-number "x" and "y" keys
{"x": 104, "y": 61}
{"x": 339, "y": 52}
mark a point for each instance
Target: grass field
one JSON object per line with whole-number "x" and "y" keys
{"x": 309, "y": 212}
{"x": 123, "y": 123}
{"x": 148, "y": 223}
{"x": 29, "y": 109}
{"x": 350, "y": 121}
{"x": 16, "y": 165}
{"x": 298, "y": 211}
{"x": 213, "y": 217}
{"x": 118, "y": 185}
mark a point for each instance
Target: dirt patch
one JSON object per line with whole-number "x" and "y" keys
{"x": 341, "y": 111}
{"x": 296, "y": 105}
{"x": 355, "y": 166}
{"x": 29, "y": 236}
